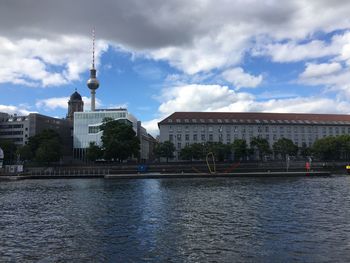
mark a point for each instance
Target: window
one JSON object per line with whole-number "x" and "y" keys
{"x": 195, "y": 137}
{"x": 220, "y": 137}
{"x": 210, "y": 137}
{"x": 179, "y": 145}
{"x": 171, "y": 137}
{"x": 203, "y": 137}
{"x": 187, "y": 137}
{"x": 94, "y": 129}
{"x": 210, "y": 129}
{"x": 179, "y": 136}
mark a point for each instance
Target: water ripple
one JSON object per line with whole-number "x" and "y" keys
{"x": 173, "y": 220}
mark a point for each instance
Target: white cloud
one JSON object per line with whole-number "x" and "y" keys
{"x": 11, "y": 109}
{"x": 54, "y": 103}
{"x": 240, "y": 79}
{"x": 214, "y": 50}
{"x": 45, "y": 62}
{"x": 198, "y": 98}
{"x": 293, "y": 51}
{"x": 320, "y": 70}
{"x": 152, "y": 126}
{"x": 193, "y": 36}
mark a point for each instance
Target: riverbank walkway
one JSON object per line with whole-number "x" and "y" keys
{"x": 164, "y": 175}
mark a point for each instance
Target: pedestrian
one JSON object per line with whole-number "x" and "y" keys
{"x": 307, "y": 166}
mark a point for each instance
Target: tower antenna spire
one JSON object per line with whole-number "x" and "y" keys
{"x": 93, "y": 48}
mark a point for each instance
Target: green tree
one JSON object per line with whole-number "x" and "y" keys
{"x": 94, "y": 152}
{"x": 165, "y": 149}
{"x": 192, "y": 152}
{"x": 48, "y": 151}
{"x": 9, "y": 148}
{"x": 240, "y": 149}
{"x": 343, "y": 145}
{"x": 304, "y": 150}
{"x": 45, "y": 135}
{"x": 197, "y": 151}
{"x": 25, "y": 153}
{"x": 285, "y": 146}
{"x": 221, "y": 151}
{"x": 326, "y": 148}
{"x": 186, "y": 153}
{"x": 260, "y": 146}
{"x": 119, "y": 140}
{"x": 46, "y": 146}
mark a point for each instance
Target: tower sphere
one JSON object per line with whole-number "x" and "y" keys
{"x": 93, "y": 83}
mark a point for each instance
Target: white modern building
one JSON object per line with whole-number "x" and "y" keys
{"x": 87, "y": 129}
{"x": 185, "y": 128}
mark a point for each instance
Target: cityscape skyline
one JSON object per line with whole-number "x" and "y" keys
{"x": 159, "y": 58}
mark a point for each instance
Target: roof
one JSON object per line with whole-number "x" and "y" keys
{"x": 75, "y": 96}
{"x": 254, "y": 118}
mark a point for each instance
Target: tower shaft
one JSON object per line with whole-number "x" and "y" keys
{"x": 93, "y": 100}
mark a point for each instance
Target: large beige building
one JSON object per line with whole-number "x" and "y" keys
{"x": 185, "y": 128}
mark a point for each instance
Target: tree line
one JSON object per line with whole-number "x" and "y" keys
{"x": 45, "y": 147}
{"x": 119, "y": 142}
{"x": 327, "y": 148}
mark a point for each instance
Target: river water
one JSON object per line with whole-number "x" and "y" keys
{"x": 304, "y": 219}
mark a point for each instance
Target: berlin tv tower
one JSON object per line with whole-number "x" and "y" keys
{"x": 92, "y": 82}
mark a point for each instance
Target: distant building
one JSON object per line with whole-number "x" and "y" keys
{"x": 87, "y": 129}
{"x": 75, "y": 104}
{"x": 19, "y": 128}
{"x": 185, "y": 128}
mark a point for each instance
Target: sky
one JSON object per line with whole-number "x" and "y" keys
{"x": 156, "y": 57}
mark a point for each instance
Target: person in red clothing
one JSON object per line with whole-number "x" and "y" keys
{"x": 307, "y": 166}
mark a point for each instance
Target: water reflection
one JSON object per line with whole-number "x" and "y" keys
{"x": 173, "y": 220}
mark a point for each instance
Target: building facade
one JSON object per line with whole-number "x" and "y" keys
{"x": 18, "y": 129}
{"x": 87, "y": 125}
{"x": 185, "y": 128}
